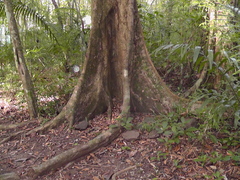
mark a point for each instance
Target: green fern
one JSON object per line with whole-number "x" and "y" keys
{"x": 23, "y": 11}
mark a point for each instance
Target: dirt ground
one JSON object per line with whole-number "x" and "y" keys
{"x": 143, "y": 158}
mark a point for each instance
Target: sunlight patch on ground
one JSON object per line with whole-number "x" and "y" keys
{"x": 48, "y": 99}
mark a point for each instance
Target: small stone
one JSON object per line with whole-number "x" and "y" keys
{"x": 81, "y": 125}
{"x": 131, "y": 135}
{"x": 213, "y": 167}
{"x": 153, "y": 134}
{"x": 149, "y": 120}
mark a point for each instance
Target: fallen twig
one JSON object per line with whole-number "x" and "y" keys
{"x": 122, "y": 171}
{"x": 11, "y": 136}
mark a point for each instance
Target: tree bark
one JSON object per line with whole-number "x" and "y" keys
{"x": 117, "y": 66}
{"x": 20, "y": 61}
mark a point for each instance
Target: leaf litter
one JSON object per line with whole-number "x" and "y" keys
{"x": 144, "y": 157}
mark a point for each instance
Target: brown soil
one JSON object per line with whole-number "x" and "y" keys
{"x": 143, "y": 158}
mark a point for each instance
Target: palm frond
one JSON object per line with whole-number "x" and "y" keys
{"x": 23, "y": 11}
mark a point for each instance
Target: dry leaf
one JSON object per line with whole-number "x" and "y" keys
{"x": 142, "y": 142}
{"x": 177, "y": 148}
{"x": 45, "y": 158}
{"x": 84, "y": 137}
{"x": 93, "y": 155}
{"x": 88, "y": 157}
{"x": 128, "y": 161}
{"x": 213, "y": 167}
{"x": 132, "y": 153}
{"x": 85, "y": 169}
{"x": 95, "y": 178}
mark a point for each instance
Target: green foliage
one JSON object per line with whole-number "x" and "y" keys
{"x": 160, "y": 156}
{"x": 229, "y": 138}
{"x": 126, "y": 122}
{"x": 49, "y": 62}
{"x": 44, "y": 121}
{"x": 24, "y": 11}
{"x": 218, "y": 116}
{"x": 219, "y": 109}
{"x": 172, "y": 126}
{"x": 215, "y": 157}
{"x": 216, "y": 175}
{"x": 48, "y": 108}
{"x": 126, "y": 148}
{"x": 10, "y": 80}
{"x": 176, "y": 163}
{"x": 6, "y": 56}
{"x": 2, "y": 9}
{"x": 176, "y": 30}
{"x": 175, "y": 125}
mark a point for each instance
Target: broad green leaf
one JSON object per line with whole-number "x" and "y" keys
{"x": 226, "y": 158}
{"x": 235, "y": 63}
{"x": 190, "y": 134}
{"x": 221, "y": 62}
{"x": 160, "y": 140}
{"x": 164, "y": 124}
{"x": 213, "y": 138}
{"x": 174, "y": 129}
{"x": 196, "y": 53}
{"x": 168, "y": 133}
{"x": 184, "y": 50}
{"x": 237, "y": 119}
{"x": 237, "y": 72}
{"x": 168, "y": 46}
{"x": 191, "y": 129}
{"x": 236, "y": 158}
{"x": 226, "y": 55}
{"x": 210, "y": 58}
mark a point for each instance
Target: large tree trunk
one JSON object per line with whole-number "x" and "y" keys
{"x": 20, "y": 60}
{"x": 117, "y": 66}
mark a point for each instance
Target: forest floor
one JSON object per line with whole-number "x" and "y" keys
{"x": 143, "y": 158}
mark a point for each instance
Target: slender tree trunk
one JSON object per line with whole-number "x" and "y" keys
{"x": 58, "y": 14}
{"x": 20, "y": 60}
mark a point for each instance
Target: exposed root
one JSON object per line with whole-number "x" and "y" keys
{"x": 8, "y": 176}
{"x": 11, "y": 136}
{"x": 72, "y": 154}
{"x": 197, "y": 84}
{"x": 12, "y": 126}
{"x": 49, "y": 125}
